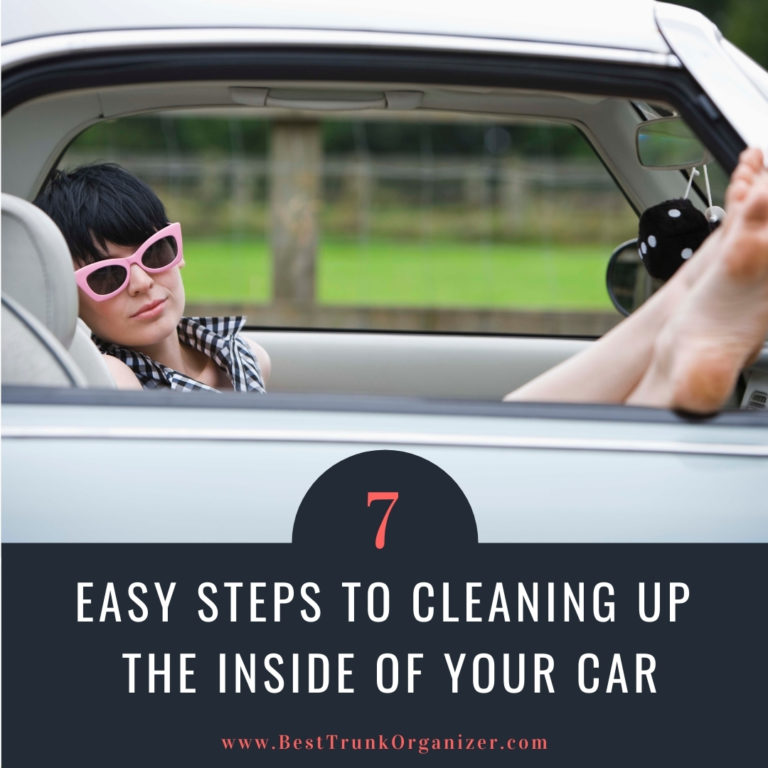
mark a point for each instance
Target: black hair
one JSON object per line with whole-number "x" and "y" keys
{"x": 96, "y": 203}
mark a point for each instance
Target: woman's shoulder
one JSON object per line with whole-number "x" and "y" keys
{"x": 124, "y": 377}
{"x": 262, "y": 357}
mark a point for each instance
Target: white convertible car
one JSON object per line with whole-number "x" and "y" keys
{"x": 419, "y": 206}
{"x": 558, "y": 109}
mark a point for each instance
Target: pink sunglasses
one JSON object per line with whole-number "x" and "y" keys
{"x": 104, "y": 279}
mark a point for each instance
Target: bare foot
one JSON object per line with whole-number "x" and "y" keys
{"x": 723, "y": 317}
{"x": 742, "y": 179}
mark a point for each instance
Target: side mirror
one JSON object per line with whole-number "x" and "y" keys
{"x": 627, "y": 281}
{"x": 667, "y": 143}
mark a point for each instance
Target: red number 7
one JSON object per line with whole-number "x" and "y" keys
{"x": 391, "y": 496}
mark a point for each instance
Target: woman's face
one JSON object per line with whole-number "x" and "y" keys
{"x": 144, "y": 314}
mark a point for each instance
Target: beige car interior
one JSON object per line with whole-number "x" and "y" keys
{"x": 44, "y": 342}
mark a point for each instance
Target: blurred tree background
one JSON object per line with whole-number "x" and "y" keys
{"x": 743, "y": 22}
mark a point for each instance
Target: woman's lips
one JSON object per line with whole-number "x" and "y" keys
{"x": 150, "y": 310}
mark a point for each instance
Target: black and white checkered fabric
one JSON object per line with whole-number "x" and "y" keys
{"x": 216, "y": 337}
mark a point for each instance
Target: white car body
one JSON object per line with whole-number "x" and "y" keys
{"x": 532, "y": 473}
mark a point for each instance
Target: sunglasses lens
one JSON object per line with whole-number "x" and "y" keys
{"x": 160, "y": 254}
{"x": 107, "y": 279}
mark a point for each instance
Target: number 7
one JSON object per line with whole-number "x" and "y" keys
{"x": 391, "y": 496}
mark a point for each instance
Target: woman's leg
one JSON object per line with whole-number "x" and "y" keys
{"x": 615, "y": 368}
{"x": 722, "y": 322}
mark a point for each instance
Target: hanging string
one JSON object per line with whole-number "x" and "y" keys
{"x": 714, "y": 213}
{"x": 706, "y": 182}
{"x": 694, "y": 173}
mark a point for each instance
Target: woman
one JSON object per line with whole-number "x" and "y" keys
{"x": 127, "y": 260}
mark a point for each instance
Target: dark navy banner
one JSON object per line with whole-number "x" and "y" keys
{"x": 436, "y": 651}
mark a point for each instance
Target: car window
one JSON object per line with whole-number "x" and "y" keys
{"x": 381, "y": 224}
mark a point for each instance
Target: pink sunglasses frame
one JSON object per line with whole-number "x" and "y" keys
{"x": 81, "y": 275}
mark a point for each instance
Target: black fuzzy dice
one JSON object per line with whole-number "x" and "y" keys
{"x": 668, "y": 234}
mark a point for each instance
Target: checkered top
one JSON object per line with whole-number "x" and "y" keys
{"x": 216, "y": 337}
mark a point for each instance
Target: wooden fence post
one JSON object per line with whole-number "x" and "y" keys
{"x": 296, "y": 154}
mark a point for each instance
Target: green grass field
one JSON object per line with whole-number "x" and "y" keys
{"x": 393, "y": 273}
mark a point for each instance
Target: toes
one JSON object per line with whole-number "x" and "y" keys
{"x": 739, "y": 188}
{"x": 756, "y": 207}
{"x": 749, "y": 179}
{"x": 744, "y": 172}
{"x": 752, "y": 158}
{"x": 741, "y": 180}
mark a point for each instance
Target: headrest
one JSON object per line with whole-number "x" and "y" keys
{"x": 37, "y": 267}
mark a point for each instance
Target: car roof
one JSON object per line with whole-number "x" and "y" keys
{"x": 628, "y": 24}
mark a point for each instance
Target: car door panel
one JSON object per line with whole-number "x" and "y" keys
{"x": 235, "y": 471}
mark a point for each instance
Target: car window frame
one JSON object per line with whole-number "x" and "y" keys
{"x": 151, "y": 65}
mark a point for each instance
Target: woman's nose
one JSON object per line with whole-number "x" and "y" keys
{"x": 140, "y": 280}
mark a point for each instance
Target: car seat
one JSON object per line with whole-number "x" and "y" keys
{"x": 44, "y": 343}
